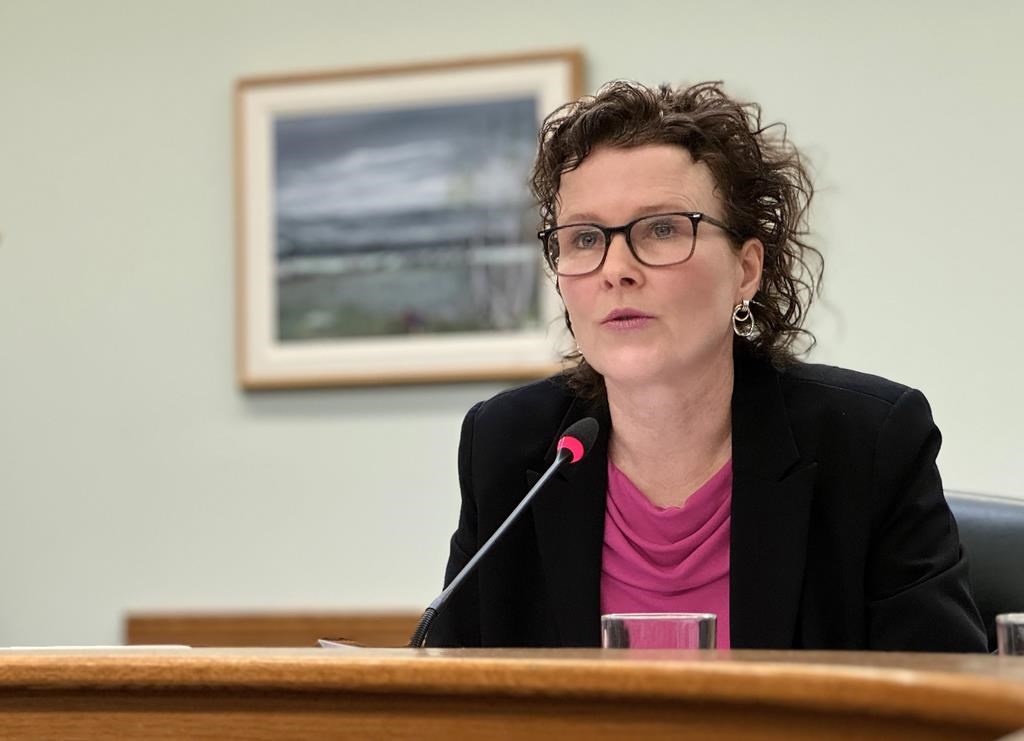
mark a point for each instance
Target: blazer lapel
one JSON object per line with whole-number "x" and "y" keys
{"x": 569, "y": 521}
{"x": 772, "y": 490}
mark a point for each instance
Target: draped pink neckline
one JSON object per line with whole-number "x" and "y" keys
{"x": 668, "y": 559}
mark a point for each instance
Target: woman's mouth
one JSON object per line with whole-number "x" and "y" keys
{"x": 626, "y": 319}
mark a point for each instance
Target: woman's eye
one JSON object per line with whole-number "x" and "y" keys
{"x": 662, "y": 231}
{"x": 586, "y": 240}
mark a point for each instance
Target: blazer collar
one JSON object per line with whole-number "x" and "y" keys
{"x": 770, "y": 509}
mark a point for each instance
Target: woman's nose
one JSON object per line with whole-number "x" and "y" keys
{"x": 620, "y": 266}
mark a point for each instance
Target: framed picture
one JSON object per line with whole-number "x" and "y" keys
{"x": 386, "y": 233}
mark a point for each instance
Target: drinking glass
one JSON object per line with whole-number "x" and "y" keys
{"x": 658, "y": 630}
{"x": 1010, "y": 633}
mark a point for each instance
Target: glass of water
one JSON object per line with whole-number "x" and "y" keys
{"x": 658, "y": 630}
{"x": 1010, "y": 634}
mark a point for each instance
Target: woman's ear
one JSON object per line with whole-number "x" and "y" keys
{"x": 751, "y": 262}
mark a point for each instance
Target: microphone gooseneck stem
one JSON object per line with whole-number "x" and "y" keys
{"x": 420, "y": 634}
{"x": 423, "y": 627}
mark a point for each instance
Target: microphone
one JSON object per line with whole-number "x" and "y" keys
{"x": 572, "y": 446}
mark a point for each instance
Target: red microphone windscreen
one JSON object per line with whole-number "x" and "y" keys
{"x": 573, "y": 445}
{"x": 579, "y": 438}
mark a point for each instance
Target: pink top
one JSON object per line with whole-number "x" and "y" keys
{"x": 668, "y": 559}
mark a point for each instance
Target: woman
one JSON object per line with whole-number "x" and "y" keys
{"x": 800, "y": 503}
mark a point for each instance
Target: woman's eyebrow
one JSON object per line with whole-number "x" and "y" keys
{"x": 588, "y": 217}
{"x": 579, "y": 218}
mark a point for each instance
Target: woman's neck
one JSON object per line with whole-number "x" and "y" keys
{"x": 671, "y": 438}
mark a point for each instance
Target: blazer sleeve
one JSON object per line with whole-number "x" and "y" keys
{"x": 457, "y": 624}
{"x": 918, "y": 595}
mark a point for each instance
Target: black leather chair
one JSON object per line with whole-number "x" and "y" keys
{"x": 992, "y": 534}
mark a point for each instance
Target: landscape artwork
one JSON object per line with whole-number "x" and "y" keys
{"x": 386, "y": 232}
{"x": 405, "y": 221}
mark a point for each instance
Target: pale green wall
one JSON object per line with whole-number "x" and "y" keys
{"x": 133, "y": 474}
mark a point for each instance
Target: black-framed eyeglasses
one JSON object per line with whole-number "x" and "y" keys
{"x": 655, "y": 241}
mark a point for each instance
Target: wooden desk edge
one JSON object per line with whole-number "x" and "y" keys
{"x": 940, "y": 689}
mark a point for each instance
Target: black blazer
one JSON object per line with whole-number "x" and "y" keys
{"x": 841, "y": 537}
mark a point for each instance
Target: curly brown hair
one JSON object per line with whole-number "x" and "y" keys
{"x": 761, "y": 178}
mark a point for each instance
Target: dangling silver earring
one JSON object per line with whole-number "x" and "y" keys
{"x": 742, "y": 319}
{"x": 579, "y": 350}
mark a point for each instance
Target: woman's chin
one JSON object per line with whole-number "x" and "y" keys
{"x": 633, "y": 371}
{"x": 647, "y": 369}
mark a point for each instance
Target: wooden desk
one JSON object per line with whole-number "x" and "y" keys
{"x": 534, "y": 695}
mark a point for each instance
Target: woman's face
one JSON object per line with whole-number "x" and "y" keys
{"x": 682, "y": 314}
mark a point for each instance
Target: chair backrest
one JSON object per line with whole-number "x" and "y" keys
{"x": 992, "y": 534}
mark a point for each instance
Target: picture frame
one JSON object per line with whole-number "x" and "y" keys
{"x": 385, "y": 231}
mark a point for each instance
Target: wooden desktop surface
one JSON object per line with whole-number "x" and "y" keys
{"x": 506, "y": 694}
